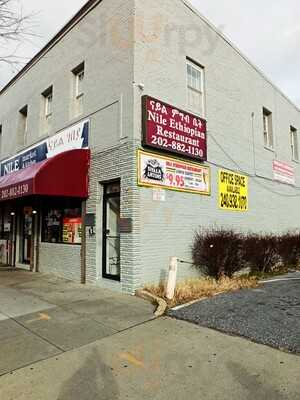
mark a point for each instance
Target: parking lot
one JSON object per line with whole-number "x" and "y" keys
{"x": 268, "y": 315}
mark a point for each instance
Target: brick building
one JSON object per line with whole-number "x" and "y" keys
{"x": 134, "y": 126}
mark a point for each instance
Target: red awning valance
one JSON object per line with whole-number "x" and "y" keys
{"x": 64, "y": 175}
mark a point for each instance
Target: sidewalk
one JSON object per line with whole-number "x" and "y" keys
{"x": 42, "y": 316}
{"x": 162, "y": 359}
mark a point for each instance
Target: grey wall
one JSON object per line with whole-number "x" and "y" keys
{"x": 96, "y": 40}
{"x": 234, "y": 90}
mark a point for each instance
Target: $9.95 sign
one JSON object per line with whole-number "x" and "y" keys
{"x": 233, "y": 191}
{"x": 171, "y": 173}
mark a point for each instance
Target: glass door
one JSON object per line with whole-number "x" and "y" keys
{"x": 111, "y": 231}
{"x": 26, "y": 238}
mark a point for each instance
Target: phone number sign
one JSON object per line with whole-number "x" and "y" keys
{"x": 169, "y": 173}
{"x": 233, "y": 191}
{"x": 170, "y": 129}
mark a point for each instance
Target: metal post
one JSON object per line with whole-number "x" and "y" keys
{"x": 83, "y": 243}
{"x": 37, "y": 250}
{"x": 32, "y": 247}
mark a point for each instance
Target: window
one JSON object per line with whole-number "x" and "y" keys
{"x": 78, "y": 89}
{"x": 79, "y": 83}
{"x": 62, "y": 222}
{"x": 48, "y": 105}
{"x": 48, "y": 101}
{"x": 23, "y": 118}
{"x": 1, "y": 130}
{"x": 294, "y": 144}
{"x": 195, "y": 87}
{"x": 47, "y": 109}
{"x": 268, "y": 129}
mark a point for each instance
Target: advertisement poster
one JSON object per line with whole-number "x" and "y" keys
{"x": 283, "y": 172}
{"x": 173, "y": 174}
{"x": 72, "y": 230}
{"x": 167, "y": 128}
{"x": 233, "y": 191}
{"x": 72, "y": 138}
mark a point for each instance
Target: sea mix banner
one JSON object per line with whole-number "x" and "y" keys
{"x": 167, "y": 128}
{"x": 74, "y": 137}
{"x": 170, "y": 173}
{"x": 233, "y": 191}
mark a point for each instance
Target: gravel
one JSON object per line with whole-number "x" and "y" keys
{"x": 269, "y": 314}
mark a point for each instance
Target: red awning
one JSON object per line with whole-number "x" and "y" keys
{"x": 64, "y": 175}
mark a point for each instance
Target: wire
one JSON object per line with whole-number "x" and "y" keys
{"x": 254, "y": 177}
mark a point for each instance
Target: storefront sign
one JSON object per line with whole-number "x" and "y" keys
{"x": 233, "y": 191}
{"x": 169, "y": 129}
{"x": 283, "y": 172}
{"x": 75, "y": 137}
{"x": 12, "y": 192}
{"x": 170, "y": 173}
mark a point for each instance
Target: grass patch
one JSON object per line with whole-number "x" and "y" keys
{"x": 275, "y": 272}
{"x": 195, "y": 289}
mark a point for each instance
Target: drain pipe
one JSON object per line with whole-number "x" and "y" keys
{"x": 171, "y": 283}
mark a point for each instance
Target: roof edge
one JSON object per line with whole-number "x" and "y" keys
{"x": 85, "y": 9}
{"x": 235, "y": 48}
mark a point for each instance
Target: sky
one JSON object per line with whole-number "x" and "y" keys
{"x": 267, "y": 32}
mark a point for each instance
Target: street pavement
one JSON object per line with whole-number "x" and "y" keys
{"x": 53, "y": 353}
{"x": 269, "y": 314}
{"x": 162, "y": 359}
{"x": 43, "y": 316}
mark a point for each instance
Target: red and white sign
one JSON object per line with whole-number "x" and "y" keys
{"x": 283, "y": 172}
{"x": 170, "y": 129}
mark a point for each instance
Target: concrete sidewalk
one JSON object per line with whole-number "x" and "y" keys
{"x": 160, "y": 359}
{"x": 42, "y": 316}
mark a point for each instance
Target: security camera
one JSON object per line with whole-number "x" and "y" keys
{"x": 141, "y": 86}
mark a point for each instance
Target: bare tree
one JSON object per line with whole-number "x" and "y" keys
{"x": 15, "y": 28}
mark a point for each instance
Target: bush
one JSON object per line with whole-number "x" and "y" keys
{"x": 260, "y": 252}
{"x": 218, "y": 252}
{"x": 289, "y": 249}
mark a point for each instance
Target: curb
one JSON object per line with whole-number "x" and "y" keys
{"x": 162, "y": 304}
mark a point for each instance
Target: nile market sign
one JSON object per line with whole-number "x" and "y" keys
{"x": 167, "y": 128}
{"x": 74, "y": 137}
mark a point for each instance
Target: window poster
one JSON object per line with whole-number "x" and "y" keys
{"x": 171, "y": 173}
{"x": 72, "y": 230}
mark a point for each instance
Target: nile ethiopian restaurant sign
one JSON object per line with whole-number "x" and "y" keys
{"x": 169, "y": 129}
{"x": 74, "y": 137}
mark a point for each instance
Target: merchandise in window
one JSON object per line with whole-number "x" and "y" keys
{"x": 62, "y": 225}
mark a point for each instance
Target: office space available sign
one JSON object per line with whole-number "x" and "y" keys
{"x": 233, "y": 191}
{"x": 74, "y": 137}
{"x": 170, "y": 129}
{"x": 283, "y": 172}
{"x": 170, "y": 173}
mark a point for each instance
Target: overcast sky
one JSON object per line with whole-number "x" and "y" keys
{"x": 268, "y": 32}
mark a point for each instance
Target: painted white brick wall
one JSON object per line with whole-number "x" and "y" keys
{"x": 124, "y": 43}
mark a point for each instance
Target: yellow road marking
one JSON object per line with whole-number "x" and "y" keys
{"x": 41, "y": 317}
{"x": 132, "y": 359}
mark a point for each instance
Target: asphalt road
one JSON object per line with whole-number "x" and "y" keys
{"x": 268, "y": 315}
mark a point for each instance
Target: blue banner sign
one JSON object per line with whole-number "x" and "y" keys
{"x": 74, "y": 137}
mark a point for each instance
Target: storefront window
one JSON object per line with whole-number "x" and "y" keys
{"x": 62, "y": 223}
